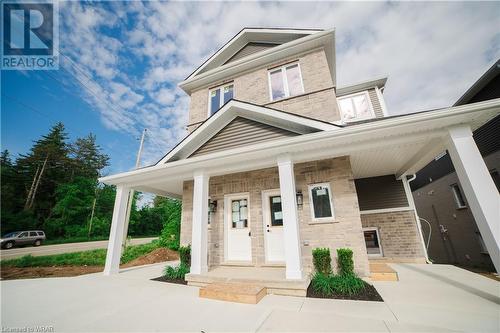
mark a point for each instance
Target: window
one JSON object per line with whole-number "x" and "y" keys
{"x": 372, "y": 241}
{"x": 356, "y": 107}
{"x": 276, "y": 211}
{"x": 481, "y": 243}
{"x": 459, "y": 198}
{"x": 40, "y": 233}
{"x": 496, "y": 178}
{"x": 219, "y": 96}
{"x": 24, "y": 234}
{"x": 321, "y": 202}
{"x": 285, "y": 81}
{"x": 33, "y": 234}
{"x": 239, "y": 210}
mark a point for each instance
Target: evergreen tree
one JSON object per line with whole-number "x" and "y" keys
{"x": 87, "y": 157}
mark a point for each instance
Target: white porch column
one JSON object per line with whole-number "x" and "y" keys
{"x": 116, "y": 233}
{"x": 199, "y": 251}
{"x": 480, "y": 191}
{"x": 291, "y": 238}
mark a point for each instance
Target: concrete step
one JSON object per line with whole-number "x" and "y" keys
{"x": 234, "y": 292}
{"x": 382, "y": 272}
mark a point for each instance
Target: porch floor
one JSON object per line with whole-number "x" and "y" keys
{"x": 271, "y": 278}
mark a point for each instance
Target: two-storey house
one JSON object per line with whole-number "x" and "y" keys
{"x": 279, "y": 160}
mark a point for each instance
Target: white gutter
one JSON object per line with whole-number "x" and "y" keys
{"x": 360, "y": 132}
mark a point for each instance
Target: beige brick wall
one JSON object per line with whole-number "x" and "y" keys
{"x": 253, "y": 86}
{"x": 398, "y": 233}
{"x": 344, "y": 231}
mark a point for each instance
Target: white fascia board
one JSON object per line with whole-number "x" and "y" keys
{"x": 238, "y": 41}
{"x": 381, "y": 133}
{"x": 236, "y": 108}
{"x": 320, "y": 39}
{"x": 361, "y": 86}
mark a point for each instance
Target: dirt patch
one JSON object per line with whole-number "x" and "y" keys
{"x": 367, "y": 294}
{"x": 164, "y": 279}
{"x": 159, "y": 255}
{"x": 11, "y": 273}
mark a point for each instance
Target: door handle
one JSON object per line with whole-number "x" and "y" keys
{"x": 249, "y": 234}
{"x": 267, "y": 230}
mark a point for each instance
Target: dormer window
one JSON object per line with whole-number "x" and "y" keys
{"x": 219, "y": 96}
{"x": 356, "y": 107}
{"x": 285, "y": 81}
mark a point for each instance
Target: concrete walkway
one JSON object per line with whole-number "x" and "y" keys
{"x": 46, "y": 250}
{"x": 429, "y": 298}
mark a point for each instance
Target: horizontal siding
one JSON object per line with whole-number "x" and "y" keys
{"x": 377, "y": 107}
{"x": 380, "y": 193}
{"x": 241, "y": 132}
{"x": 249, "y": 49}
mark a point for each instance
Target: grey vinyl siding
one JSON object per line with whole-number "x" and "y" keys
{"x": 380, "y": 193}
{"x": 377, "y": 107}
{"x": 241, "y": 132}
{"x": 249, "y": 49}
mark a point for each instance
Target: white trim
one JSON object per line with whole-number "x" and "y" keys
{"x": 284, "y": 78}
{"x": 374, "y": 255}
{"x": 351, "y": 96}
{"x": 385, "y": 210}
{"x": 227, "y": 205}
{"x": 381, "y": 101}
{"x": 221, "y": 97}
{"x": 361, "y": 86}
{"x": 311, "y": 204}
{"x": 454, "y": 188}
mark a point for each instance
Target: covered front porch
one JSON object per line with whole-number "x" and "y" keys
{"x": 397, "y": 146}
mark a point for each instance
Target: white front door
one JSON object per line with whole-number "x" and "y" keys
{"x": 237, "y": 226}
{"x": 273, "y": 226}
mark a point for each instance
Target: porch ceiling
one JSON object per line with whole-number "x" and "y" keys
{"x": 398, "y": 145}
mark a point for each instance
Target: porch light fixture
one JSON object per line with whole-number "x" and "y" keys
{"x": 212, "y": 206}
{"x": 299, "y": 199}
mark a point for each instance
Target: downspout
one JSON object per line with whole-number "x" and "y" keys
{"x": 406, "y": 183}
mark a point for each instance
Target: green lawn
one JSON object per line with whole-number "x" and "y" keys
{"x": 82, "y": 239}
{"x": 89, "y": 258}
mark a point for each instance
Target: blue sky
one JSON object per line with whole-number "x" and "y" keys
{"x": 122, "y": 61}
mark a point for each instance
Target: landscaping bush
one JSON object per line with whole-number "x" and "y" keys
{"x": 347, "y": 284}
{"x": 322, "y": 260}
{"x": 176, "y": 272}
{"x": 345, "y": 262}
{"x": 322, "y": 284}
{"x": 185, "y": 255}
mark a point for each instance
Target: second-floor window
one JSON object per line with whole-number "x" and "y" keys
{"x": 355, "y": 107}
{"x": 285, "y": 81}
{"x": 219, "y": 96}
{"x": 459, "y": 198}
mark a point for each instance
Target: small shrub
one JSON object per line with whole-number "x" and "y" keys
{"x": 176, "y": 272}
{"x": 185, "y": 255}
{"x": 347, "y": 284}
{"x": 345, "y": 262}
{"x": 322, "y": 284}
{"x": 322, "y": 260}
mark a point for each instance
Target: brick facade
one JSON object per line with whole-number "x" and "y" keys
{"x": 318, "y": 101}
{"x": 398, "y": 232}
{"x": 344, "y": 231}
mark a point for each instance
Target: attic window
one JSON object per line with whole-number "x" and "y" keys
{"x": 356, "y": 107}
{"x": 285, "y": 81}
{"x": 218, "y": 97}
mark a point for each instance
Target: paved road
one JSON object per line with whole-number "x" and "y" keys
{"x": 428, "y": 298}
{"x": 62, "y": 248}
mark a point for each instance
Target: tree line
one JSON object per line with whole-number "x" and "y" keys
{"x": 54, "y": 187}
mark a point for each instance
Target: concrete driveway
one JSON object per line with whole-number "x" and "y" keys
{"x": 46, "y": 250}
{"x": 427, "y": 299}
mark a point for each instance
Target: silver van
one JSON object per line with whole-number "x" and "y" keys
{"x": 19, "y": 238}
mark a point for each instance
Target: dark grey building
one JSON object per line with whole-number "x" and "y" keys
{"x": 438, "y": 195}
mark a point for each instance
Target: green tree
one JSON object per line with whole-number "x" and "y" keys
{"x": 171, "y": 215}
{"x": 87, "y": 158}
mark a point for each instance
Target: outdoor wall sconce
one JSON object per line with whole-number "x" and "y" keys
{"x": 212, "y": 206}
{"x": 300, "y": 199}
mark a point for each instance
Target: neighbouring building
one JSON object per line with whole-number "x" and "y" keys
{"x": 454, "y": 235}
{"x": 279, "y": 160}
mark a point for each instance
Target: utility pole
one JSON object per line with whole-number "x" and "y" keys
{"x": 32, "y": 199}
{"x": 131, "y": 195}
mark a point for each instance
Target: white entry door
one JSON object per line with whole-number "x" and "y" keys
{"x": 237, "y": 226}
{"x": 273, "y": 226}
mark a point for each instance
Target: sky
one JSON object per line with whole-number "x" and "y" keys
{"x": 121, "y": 62}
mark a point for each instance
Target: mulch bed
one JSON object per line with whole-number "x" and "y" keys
{"x": 164, "y": 279}
{"x": 367, "y": 294}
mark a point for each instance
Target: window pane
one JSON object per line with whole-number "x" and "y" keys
{"x": 228, "y": 93}
{"x": 372, "y": 242}
{"x": 277, "y": 88}
{"x": 347, "y": 109}
{"x": 293, "y": 79}
{"x": 361, "y": 106}
{"x": 458, "y": 196}
{"x": 214, "y": 101}
{"x": 276, "y": 211}
{"x": 321, "y": 202}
